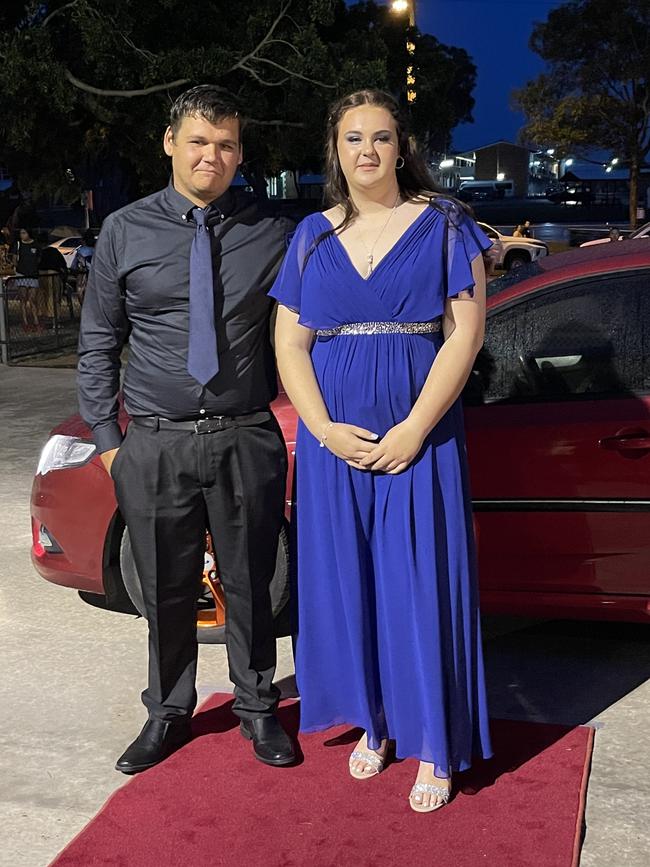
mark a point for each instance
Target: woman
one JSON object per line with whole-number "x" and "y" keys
{"x": 382, "y": 307}
{"x": 27, "y": 260}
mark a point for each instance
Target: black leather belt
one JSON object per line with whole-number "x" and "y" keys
{"x": 208, "y": 424}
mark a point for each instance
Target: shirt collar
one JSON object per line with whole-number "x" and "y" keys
{"x": 223, "y": 206}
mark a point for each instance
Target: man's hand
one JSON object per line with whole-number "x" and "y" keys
{"x": 108, "y": 458}
{"x": 397, "y": 449}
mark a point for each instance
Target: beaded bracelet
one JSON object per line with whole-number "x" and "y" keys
{"x": 323, "y": 436}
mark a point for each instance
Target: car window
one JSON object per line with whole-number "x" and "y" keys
{"x": 585, "y": 340}
{"x": 511, "y": 278}
{"x": 489, "y": 231}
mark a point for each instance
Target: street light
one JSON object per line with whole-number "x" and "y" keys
{"x": 399, "y": 7}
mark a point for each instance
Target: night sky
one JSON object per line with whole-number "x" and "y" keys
{"x": 495, "y": 33}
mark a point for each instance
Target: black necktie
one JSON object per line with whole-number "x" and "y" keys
{"x": 202, "y": 354}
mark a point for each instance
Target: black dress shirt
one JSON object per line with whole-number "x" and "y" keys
{"x": 139, "y": 288}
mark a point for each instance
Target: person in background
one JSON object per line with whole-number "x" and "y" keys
{"x": 518, "y": 231}
{"x": 81, "y": 263}
{"x": 27, "y": 258}
{"x": 54, "y": 274}
{"x": 614, "y": 234}
{"x": 6, "y": 259}
{"x": 526, "y": 231}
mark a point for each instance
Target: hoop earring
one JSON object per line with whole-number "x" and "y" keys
{"x": 398, "y": 167}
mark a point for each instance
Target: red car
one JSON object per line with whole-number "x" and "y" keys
{"x": 558, "y": 427}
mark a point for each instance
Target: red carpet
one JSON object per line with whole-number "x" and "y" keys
{"x": 213, "y": 805}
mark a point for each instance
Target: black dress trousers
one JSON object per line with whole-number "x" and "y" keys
{"x": 170, "y": 486}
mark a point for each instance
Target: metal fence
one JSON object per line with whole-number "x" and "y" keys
{"x": 38, "y": 321}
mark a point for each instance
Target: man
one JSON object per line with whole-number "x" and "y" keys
{"x": 186, "y": 272}
{"x": 53, "y": 273}
{"x": 81, "y": 262}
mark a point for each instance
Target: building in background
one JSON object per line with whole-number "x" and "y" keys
{"x": 527, "y": 172}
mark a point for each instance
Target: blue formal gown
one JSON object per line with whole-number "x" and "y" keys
{"x": 388, "y": 631}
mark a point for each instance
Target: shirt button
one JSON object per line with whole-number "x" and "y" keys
{"x": 183, "y": 217}
{"x": 201, "y": 412}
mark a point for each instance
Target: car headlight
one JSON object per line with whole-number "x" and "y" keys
{"x": 62, "y": 452}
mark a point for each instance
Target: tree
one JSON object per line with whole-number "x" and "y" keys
{"x": 595, "y": 92}
{"x": 445, "y": 79}
{"x": 87, "y": 84}
{"x": 445, "y": 75}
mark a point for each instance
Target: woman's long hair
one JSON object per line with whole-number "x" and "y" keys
{"x": 413, "y": 178}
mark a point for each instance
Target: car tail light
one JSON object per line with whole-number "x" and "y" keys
{"x": 63, "y": 452}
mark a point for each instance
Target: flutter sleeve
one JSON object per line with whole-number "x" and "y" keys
{"x": 465, "y": 241}
{"x": 287, "y": 288}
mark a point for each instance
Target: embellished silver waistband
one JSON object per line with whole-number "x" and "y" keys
{"x": 380, "y": 328}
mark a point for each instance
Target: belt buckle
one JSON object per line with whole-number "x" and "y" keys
{"x": 209, "y": 425}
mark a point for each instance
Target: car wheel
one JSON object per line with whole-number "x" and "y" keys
{"x": 516, "y": 260}
{"x": 211, "y": 608}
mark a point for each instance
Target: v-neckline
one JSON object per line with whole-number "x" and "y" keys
{"x": 387, "y": 255}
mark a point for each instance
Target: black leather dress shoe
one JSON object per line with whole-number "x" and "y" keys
{"x": 271, "y": 744}
{"x": 157, "y": 740}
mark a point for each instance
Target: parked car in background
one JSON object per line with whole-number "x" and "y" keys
{"x": 471, "y": 191}
{"x": 510, "y": 252}
{"x": 639, "y": 232}
{"x": 557, "y": 411}
{"x": 570, "y": 196}
{"x": 69, "y": 245}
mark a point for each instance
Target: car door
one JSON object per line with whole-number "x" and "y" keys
{"x": 559, "y": 439}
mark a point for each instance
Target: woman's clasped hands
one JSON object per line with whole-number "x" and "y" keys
{"x": 363, "y": 450}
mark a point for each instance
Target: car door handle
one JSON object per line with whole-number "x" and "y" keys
{"x": 625, "y": 443}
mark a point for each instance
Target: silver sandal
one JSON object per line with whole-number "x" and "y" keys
{"x": 369, "y": 758}
{"x": 441, "y": 792}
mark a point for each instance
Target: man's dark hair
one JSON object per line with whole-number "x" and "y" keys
{"x": 208, "y": 101}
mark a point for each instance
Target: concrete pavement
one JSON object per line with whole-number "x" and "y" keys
{"x": 71, "y": 676}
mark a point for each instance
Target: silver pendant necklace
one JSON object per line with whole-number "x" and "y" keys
{"x": 370, "y": 258}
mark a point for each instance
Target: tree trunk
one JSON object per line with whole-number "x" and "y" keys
{"x": 634, "y": 188}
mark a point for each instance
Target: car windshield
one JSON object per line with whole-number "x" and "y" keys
{"x": 511, "y": 278}
{"x": 489, "y": 231}
{"x": 641, "y": 232}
